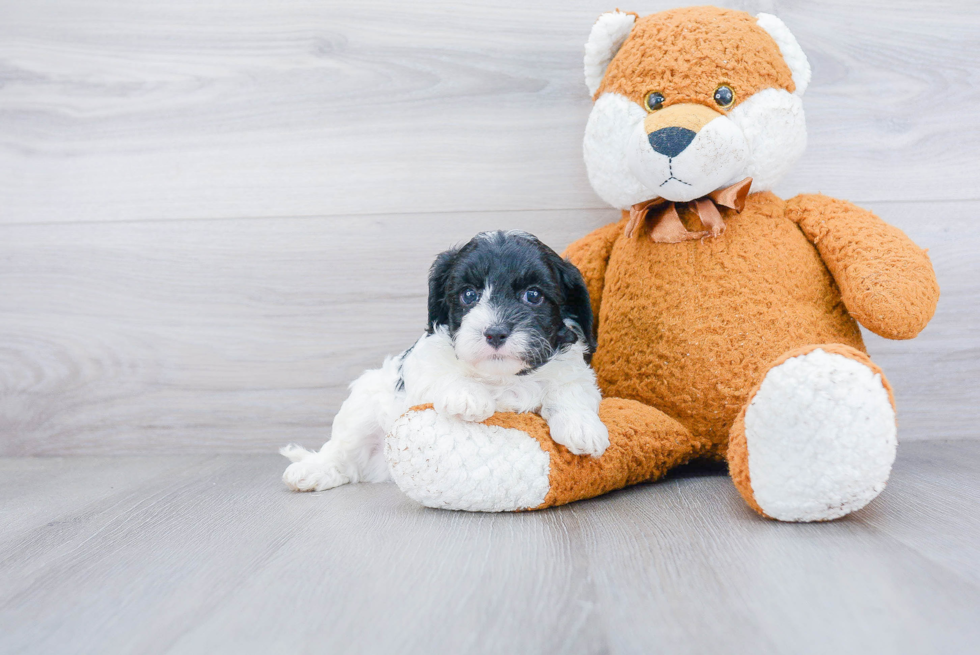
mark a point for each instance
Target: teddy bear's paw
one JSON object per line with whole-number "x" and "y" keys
{"x": 820, "y": 436}
{"x": 581, "y": 432}
{"x": 440, "y": 461}
{"x": 467, "y": 402}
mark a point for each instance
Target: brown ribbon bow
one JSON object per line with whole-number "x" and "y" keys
{"x": 666, "y": 226}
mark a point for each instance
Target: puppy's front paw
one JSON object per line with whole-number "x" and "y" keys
{"x": 468, "y": 403}
{"x": 581, "y": 432}
{"x": 314, "y": 474}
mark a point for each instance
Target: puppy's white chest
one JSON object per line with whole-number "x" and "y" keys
{"x": 519, "y": 395}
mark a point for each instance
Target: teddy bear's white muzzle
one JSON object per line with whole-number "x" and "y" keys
{"x": 680, "y": 165}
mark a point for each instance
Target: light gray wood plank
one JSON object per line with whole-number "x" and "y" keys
{"x": 933, "y": 505}
{"x": 216, "y": 556}
{"x": 122, "y": 561}
{"x": 400, "y": 578}
{"x": 697, "y": 571}
{"x": 214, "y": 109}
{"x": 90, "y": 497}
{"x": 37, "y": 492}
{"x": 187, "y": 337}
{"x": 200, "y": 336}
{"x": 360, "y": 569}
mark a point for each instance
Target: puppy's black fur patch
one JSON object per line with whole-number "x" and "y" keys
{"x": 510, "y": 263}
{"x": 400, "y": 383}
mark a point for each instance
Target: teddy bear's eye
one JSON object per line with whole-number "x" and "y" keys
{"x": 654, "y": 101}
{"x": 724, "y": 96}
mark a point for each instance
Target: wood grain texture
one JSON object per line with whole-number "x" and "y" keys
{"x": 937, "y": 489}
{"x": 200, "y": 336}
{"x": 204, "y": 554}
{"x": 307, "y": 160}
{"x": 216, "y": 109}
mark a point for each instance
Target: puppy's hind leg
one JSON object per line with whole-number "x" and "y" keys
{"x": 355, "y": 450}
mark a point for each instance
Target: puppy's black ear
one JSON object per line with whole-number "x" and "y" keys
{"x": 578, "y": 306}
{"x": 438, "y": 301}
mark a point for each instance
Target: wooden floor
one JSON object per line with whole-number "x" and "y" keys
{"x": 210, "y": 554}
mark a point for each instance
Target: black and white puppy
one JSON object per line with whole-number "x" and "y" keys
{"x": 510, "y": 329}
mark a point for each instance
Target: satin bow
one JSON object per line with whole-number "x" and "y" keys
{"x": 666, "y": 226}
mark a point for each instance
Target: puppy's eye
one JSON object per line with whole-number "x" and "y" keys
{"x": 724, "y": 96}
{"x": 533, "y": 296}
{"x": 469, "y": 296}
{"x": 654, "y": 101}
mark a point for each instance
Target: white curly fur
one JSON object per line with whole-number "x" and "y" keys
{"x": 821, "y": 437}
{"x": 607, "y": 37}
{"x": 563, "y": 391}
{"x": 790, "y": 48}
{"x": 443, "y": 462}
{"x": 761, "y": 138}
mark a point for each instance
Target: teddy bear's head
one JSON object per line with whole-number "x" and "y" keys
{"x": 691, "y": 100}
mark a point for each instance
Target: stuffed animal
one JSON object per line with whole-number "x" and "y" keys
{"x": 727, "y": 317}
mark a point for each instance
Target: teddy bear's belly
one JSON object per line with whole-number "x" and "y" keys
{"x": 691, "y": 328}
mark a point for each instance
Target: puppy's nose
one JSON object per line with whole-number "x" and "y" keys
{"x": 671, "y": 141}
{"x": 496, "y": 335}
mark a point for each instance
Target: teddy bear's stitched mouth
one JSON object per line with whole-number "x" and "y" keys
{"x": 670, "y": 169}
{"x": 676, "y": 179}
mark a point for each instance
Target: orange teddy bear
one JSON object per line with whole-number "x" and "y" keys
{"x": 727, "y": 318}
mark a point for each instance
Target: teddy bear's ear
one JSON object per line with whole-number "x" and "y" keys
{"x": 790, "y": 49}
{"x": 605, "y": 40}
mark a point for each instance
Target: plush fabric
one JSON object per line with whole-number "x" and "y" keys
{"x": 689, "y": 327}
{"x": 742, "y": 345}
{"x": 591, "y": 256}
{"x": 644, "y": 444}
{"x": 789, "y": 48}
{"x": 885, "y": 280}
{"x": 685, "y": 53}
{"x": 605, "y": 40}
{"x": 443, "y": 462}
{"x": 854, "y": 390}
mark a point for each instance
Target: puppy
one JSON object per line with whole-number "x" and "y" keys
{"x": 510, "y": 329}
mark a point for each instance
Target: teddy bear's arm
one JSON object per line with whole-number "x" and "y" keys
{"x": 886, "y": 281}
{"x": 590, "y": 254}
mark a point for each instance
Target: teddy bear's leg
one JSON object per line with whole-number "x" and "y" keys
{"x": 816, "y": 438}
{"x": 509, "y": 462}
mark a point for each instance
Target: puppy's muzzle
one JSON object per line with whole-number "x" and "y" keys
{"x": 672, "y": 129}
{"x": 496, "y": 335}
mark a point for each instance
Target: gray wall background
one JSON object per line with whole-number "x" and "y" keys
{"x": 215, "y": 214}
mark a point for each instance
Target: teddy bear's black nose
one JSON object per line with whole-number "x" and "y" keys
{"x": 671, "y": 141}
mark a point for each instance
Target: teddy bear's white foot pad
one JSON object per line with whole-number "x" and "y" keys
{"x": 440, "y": 461}
{"x": 821, "y": 437}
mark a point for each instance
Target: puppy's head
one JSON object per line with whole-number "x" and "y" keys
{"x": 508, "y": 302}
